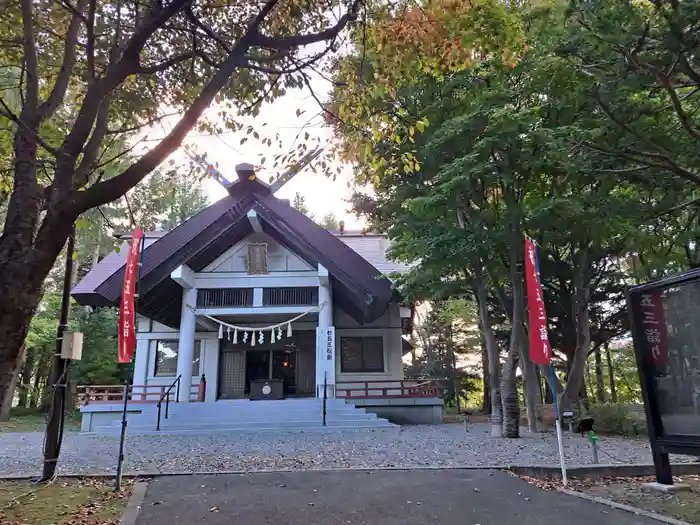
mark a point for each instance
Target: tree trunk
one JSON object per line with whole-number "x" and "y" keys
{"x": 588, "y": 383}
{"x": 486, "y": 402}
{"x": 517, "y": 338}
{"x": 492, "y": 350}
{"x": 611, "y": 374}
{"x": 540, "y": 395}
{"x": 21, "y": 281}
{"x": 599, "y": 385}
{"x": 509, "y": 396}
{"x": 6, "y": 404}
{"x": 96, "y": 249}
{"x": 574, "y": 383}
{"x": 42, "y": 373}
{"x": 25, "y": 385}
{"x": 16, "y": 310}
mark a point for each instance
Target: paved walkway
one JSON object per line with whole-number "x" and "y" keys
{"x": 418, "y": 446}
{"x": 445, "y": 497}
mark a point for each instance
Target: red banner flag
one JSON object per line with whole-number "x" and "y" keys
{"x": 127, "y": 314}
{"x": 540, "y": 351}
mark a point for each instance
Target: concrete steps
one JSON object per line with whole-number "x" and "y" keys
{"x": 290, "y": 415}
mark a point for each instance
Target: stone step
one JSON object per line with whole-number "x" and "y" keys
{"x": 390, "y": 429}
{"x": 138, "y": 421}
{"x": 250, "y": 413}
{"x": 247, "y": 416}
{"x": 252, "y": 425}
{"x": 138, "y": 427}
{"x": 360, "y": 416}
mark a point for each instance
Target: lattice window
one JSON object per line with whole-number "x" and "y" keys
{"x": 361, "y": 354}
{"x": 224, "y": 297}
{"x": 166, "y": 358}
{"x": 256, "y": 258}
{"x": 291, "y": 296}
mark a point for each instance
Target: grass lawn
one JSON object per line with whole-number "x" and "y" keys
{"x": 64, "y": 502}
{"x": 24, "y": 421}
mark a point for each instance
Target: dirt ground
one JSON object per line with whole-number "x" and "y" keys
{"x": 683, "y": 505}
{"x": 628, "y": 491}
{"x": 63, "y": 502}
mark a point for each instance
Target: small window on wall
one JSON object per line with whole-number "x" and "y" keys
{"x": 361, "y": 355}
{"x": 256, "y": 258}
{"x": 166, "y": 358}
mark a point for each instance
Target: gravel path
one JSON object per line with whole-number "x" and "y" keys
{"x": 419, "y": 446}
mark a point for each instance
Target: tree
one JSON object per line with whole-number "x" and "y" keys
{"x": 476, "y": 158}
{"x": 166, "y": 199}
{"x": 445, "y": 338}
{"x": 645, "y": 58}
{"x": 119, "y": 66}
{"x": 99, "y": 365}
{"x": 329, "y": 221}
{"x": 300, "y": 205}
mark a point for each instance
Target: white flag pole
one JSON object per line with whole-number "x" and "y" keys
{"x": 560, "y": 442}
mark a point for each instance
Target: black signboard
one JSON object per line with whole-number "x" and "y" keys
{"x": 665, "y": 318}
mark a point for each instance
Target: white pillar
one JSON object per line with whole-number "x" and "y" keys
{"x": 325, "y": 337}
{"x": 186, "y": 350}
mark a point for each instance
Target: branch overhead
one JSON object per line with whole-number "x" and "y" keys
{"x": 238, "y": 58}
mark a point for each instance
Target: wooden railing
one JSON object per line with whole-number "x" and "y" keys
{"x": 382, "y": 389}
{"x": 101, "y": 394}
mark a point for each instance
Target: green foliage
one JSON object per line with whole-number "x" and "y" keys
{"x": 329, "y": 221}
{"x": 616, "y": 419}
{"x": 99, "y": 364}
{"x": 643, "y": 56}
{"x": 300, "y": 205}
{"x": 445, "y": 342}
{"x": 167, "y": 198}
{"x": 504, "y": 149}
{"x": 627, "y": 383}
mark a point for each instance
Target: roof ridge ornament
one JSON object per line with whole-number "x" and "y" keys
{"x": 246, "y": 171}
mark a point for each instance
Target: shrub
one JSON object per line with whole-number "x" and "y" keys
{"x": 616, "y": 419}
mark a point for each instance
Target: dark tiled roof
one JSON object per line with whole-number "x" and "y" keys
{"x": 359, "y": 287}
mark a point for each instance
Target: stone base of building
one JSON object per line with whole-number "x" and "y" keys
{"x": 416, "y": 411}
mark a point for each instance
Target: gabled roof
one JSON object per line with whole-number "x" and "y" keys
{"x": 358, "y": 285}
{"x": 373, "y": 247}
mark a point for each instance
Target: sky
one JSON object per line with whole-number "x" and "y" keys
{"x": 322, "y": 194}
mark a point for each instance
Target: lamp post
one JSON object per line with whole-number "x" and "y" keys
{"x": 59, "y": 374}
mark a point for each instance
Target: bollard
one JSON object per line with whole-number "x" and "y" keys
{"x": 593, "y": 439}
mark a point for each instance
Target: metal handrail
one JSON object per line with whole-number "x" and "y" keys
{"x": 166, "y": 395}
{"x": 325, "y": 395}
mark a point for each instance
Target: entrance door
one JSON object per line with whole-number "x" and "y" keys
{"x": 284, "y": 367}
{"x": 306, "y": 363}
{"x": 232, "y": 374}
{"x": 257, "y": 366}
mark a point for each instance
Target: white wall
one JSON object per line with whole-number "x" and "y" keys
{"x": 149, "y": 333}
{"x": 388, "y": 326}
{"x": 279, "y": 259}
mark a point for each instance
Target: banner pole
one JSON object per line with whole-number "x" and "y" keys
{"x": 129, "y": 373}
{"x": 560, "y": 443}
{"x": 540, "y": 351}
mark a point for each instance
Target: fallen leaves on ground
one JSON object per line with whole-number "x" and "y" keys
{"x": 94, "y": 502}
{"x": 581, "y": 484}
